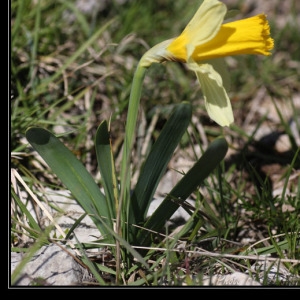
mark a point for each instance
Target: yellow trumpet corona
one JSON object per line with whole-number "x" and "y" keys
{"x": 247, "y": 36}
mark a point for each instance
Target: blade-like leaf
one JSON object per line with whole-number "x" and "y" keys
{"x": 214, "y": 154}
{"x": 33, "y": 224}
{"x": 107, "y": 167}
{"x": 157, "y": 161}
{"x": 72, "y": 174}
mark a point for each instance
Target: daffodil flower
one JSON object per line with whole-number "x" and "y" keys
{"x": 206, "y": 40}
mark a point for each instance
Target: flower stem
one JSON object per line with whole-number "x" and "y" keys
{"x": 130, "y": 129}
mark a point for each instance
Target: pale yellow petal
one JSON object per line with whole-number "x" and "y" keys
{"x": 203, "y": 27}
{"x": 220, "y": 66}
{"x": 206, "y": 22}
{"x": 216, "y": 100}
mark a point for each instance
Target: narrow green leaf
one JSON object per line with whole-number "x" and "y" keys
{"x": 106, "y": 167}
{"x": 33, "y": 224}
{"x": 90, "y": 264}
{"x": 157, "y": 161}
{"x": 275, "y": 248}
{"x": 214, "y": 154}
{"x": 74, "y": 226}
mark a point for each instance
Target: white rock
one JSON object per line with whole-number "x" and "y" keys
{"x": 234, "y": 279}
{"x": 49, "y": 266}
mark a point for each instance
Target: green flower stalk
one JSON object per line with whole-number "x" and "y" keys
{"x": 133, "y": 107}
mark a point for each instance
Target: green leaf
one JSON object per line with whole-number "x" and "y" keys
{"x": 157, "y": 161}
{"x": 107, "y": 168}
{"x": 214, "y": 154}
{"x": 72, "y": 174}
{"x": 33, "y": 224}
